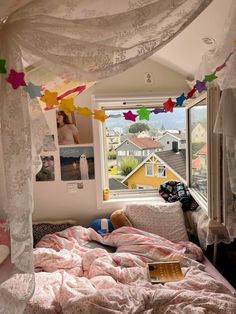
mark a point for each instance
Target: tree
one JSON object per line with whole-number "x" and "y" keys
{"x": 138, "y": 127}
{"x": 127, "y": 164}
{"x": 162, "y": 128}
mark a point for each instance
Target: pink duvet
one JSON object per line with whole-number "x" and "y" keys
{"x": 72, "y": 279}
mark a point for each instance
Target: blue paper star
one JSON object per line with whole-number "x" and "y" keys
{"x": 33, "y": 90}
{"x": 200, "y": 86}
{"x": 180, "y": 100}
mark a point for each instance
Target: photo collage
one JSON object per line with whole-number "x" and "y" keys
{"x": 75, "y": 144}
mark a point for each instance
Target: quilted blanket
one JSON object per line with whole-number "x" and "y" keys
{"x": 71, "y": 278}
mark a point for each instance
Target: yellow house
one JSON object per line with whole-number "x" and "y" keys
{"x": 150, "y": 174}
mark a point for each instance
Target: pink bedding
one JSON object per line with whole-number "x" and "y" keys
{"x": 73, "y": 279}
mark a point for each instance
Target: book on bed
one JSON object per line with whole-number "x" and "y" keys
{"x": 161, "y": 272}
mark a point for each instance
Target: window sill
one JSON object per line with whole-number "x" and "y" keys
{"x": 122, "y": 201}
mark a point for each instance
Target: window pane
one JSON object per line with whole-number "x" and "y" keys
{"x": 198, "y": 148}
{"x": 134, "y": 156}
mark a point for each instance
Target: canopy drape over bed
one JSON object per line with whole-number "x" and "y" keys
{"x": 88, "y": 40}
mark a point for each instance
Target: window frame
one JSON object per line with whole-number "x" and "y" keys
{"x": 213, "y": 202}
{"x": 117, "y": 197}
{"x": 146, "y": 172}
{"x": 158, "y": 166}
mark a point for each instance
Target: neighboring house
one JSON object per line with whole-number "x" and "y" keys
{"x": 168, "y": 139}
{"x": 115, "y": 184}
{"x": 143, "y": 134}
{"x": 199, "y": 134}
{"x": 113, "y": 139}
{"x": 199, "y": 164}
{"x": 150, "y": 174}
{"x": 139, "y": 148}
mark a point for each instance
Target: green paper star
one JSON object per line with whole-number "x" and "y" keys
{"x": 143, "y": 113}
{"x": 210, "y": 77}
{"x": 2, "y": 66}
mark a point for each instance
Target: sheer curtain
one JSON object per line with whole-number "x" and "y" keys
{"x": 210, "y": 231}
{"x": 88, "y": 40}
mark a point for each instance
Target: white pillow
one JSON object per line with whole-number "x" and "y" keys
{"x": 164, "y": 219}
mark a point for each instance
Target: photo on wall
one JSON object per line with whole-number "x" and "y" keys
{"x": 73, "y": 129}
{"x": 47, "y": 172}
{"x": 77, "y": 163}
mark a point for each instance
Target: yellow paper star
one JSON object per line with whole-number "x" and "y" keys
{"x": 100, "y": 115}
{"x": 67, "y": 105}
{"x": 50, "y": 99}
{"x": 84, "y": 111}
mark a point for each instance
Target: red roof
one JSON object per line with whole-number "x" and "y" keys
{"x": 203, "y": 150}
{"x": 196, "y": 163}
{"x": 144, "y": 142}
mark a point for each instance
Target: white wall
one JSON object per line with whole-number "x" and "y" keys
{"x": 52, "y": 200}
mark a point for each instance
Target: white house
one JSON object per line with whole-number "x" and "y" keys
{"x": 168, "y": 139}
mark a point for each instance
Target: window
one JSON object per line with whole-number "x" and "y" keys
{"x": 203, "y": 153}
{"x": 161, "y": 171}
{"x": 136, "y": 170}
{"x": 148, "y": 170}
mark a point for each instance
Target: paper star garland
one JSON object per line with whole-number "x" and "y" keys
{"x": 33, "y": 90}
{"x": 84, "y": 111}
{"x": 99, "y": 114}
{"x": 3, "y": 70}
{"x": 169, "y": 105}
{"x": 67, "y": 105}
{"x": 191, "y": 92}
{"x": 158, "y": 110}
{"x": 180, "y": 100}
{"x": 210, "y": 77}
{"x": 129, "y": 115}
{"x": 50, "y": 99}
{"x": 220, "y": 67}
{"x": 143, "y": 113}
{"x": 200, "y": 86}
{"x": 16, "y": 79}
{"x": 115, "y": 115}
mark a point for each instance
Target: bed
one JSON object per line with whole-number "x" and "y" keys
{"x": 73, "y": 276}
{"x": 78, "y": 270}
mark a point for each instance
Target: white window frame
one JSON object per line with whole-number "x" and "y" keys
{"x": 117, "y": 198}
{"x": 146, "y": 171}
{"x": 212, "y": 204}
{"x": 160, "y": 176}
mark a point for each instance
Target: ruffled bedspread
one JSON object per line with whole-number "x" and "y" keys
{"x": 71, "y": 278}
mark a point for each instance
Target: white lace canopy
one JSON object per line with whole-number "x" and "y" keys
{"x": 88, "y": 40}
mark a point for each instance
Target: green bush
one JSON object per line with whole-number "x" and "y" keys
{"x": 112, "y": 155}
{"x": 127, "y": 164}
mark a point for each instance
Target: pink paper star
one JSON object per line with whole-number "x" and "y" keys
{"x": 169, "y": 105}
{"x": 16, "y": 79}
{"x": 129, "y": 115}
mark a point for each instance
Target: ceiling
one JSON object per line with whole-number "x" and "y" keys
{"x": 185, "y": 51}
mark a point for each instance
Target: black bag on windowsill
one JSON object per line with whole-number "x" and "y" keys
{"x": 173, "y": 191}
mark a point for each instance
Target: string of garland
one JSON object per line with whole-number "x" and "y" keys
{"x": 52, "y": 100}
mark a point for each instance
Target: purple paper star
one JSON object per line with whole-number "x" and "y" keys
{"x": 129, "y": 115}
{"x": 200, "y": 86}
{"x": 16, "y": 79}
{"x": 158, "y": 110}
{"x": 180, "y": 100}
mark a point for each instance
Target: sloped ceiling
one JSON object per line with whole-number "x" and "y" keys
{"x": 184, "y": 53}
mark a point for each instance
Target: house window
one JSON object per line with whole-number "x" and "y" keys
{"x": 161, "y": 171}
{"x": 134, "y": 151}
{"x": 149, "y": 170}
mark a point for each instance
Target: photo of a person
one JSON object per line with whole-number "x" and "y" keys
{"x": 47, "y": 171}
{"x": 68, "y": 133}
{"x": 77, "y": 163}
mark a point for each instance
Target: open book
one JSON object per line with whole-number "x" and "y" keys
{"x": 160, "y": 272}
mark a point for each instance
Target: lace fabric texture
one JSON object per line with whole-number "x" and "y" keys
{"x": 225, "y": 125}
{"x": 88, "y": 40}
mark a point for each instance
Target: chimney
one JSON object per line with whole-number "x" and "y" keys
{"x": 175, "y": 147}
